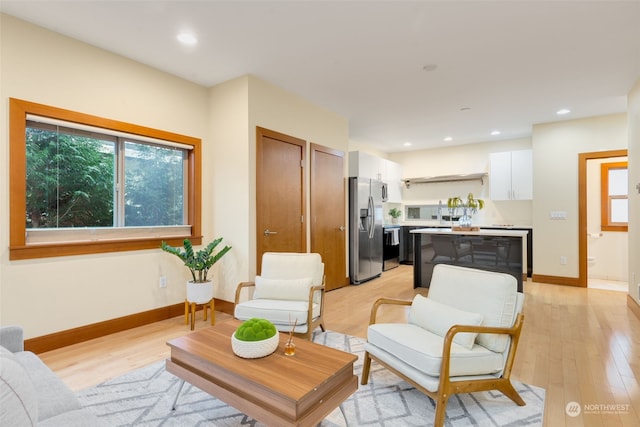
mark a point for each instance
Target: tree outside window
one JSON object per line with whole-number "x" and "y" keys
{"x": 82, "y": 184}
{"x": 70, "y": 180}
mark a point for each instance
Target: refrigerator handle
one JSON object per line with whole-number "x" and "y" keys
{"x": 371, "y": 218}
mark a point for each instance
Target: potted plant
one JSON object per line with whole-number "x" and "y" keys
{"x": 200, "y": 288}
{"x": 469, "y": 207}
{"x": 394, "y": 214}
{"x": 255, "y": 338}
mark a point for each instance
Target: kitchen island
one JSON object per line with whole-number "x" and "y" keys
{"x": 487, "y": 249}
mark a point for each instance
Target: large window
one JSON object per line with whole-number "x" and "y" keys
{"x": 614, "y": 196}
{"x": 83, "y": 184}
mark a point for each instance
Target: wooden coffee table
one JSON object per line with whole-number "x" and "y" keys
{"x": 277, "y": 390}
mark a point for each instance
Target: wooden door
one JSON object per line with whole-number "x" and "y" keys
{"x": 280, "y": 193}
{"x": 328, "y": 218}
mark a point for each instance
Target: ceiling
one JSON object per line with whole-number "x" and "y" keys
{"x": 399, "y": 71}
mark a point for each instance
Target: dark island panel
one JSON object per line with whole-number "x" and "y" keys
{"x": 502, "y": 251}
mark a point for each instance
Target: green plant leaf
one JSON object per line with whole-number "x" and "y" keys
{"x": 198, "y": 262}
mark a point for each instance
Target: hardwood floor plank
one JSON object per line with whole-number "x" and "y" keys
{"x": 579, "y": 344}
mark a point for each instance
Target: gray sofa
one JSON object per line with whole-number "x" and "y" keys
{"x": 31, "y": 394}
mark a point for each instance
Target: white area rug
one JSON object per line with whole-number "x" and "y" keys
{"x": 144, "y": 398}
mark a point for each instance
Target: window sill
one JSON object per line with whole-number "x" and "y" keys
{"x": 50, "y": 250}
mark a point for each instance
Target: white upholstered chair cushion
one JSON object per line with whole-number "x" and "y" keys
{"x": 282, "y": 313}
{"x": 281, "y": 292}
{"x": 439, "y": 318}
{"x": 287, "y": 265}
{"x": 422, "y": 349}
{"x": 495, "y": 298}
{"x": 282, "y": 289}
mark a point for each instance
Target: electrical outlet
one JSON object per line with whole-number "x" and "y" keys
{"x": 162, "y": 282}
{"x": 563, "y": 260}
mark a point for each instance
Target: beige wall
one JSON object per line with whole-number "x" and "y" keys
{"x": 275, "y": 109}
{"x": 555, "y": 185}
{"x": 230, "y": 180}
{"x": 55, "y": 294}
{"x": 633, "y": 114}
{"x": 472, "y": 158}
{"x": 238, "y": 106}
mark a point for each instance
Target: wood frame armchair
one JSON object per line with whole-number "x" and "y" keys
{"x": 440, "y": 387}
{"x": 291, "y": 298}
{"x": 314, "y": 323}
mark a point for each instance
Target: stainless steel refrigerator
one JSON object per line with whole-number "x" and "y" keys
{"x": 365, "y": 228}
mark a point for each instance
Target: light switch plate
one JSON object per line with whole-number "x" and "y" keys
{"x": 558, "y": 215}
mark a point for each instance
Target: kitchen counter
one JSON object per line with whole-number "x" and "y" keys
{"x": 496, "y": 249}
{"x": 481, "y": 232}
{"x": 447, "y": 224}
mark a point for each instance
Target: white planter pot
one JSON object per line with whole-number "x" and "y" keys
{"x": 254, "y": 349}
{"x": 199, "y": 293}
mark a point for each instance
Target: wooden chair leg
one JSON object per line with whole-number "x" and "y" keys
{"x": 366, "y": 366}
{"x": 508, "y": 390}
{"x": 441, "y": 409}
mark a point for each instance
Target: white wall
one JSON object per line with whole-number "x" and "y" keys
{"x": 54, "y": 294}
{"x": 633, "y": 114}
{"x": 360, "y": 146}
{"x": 555, "y": 185}
{"x": 607, "y": 251}
{"x": 462, "y": 159}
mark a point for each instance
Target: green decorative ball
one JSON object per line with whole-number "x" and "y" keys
{"x": 255, "y": 330}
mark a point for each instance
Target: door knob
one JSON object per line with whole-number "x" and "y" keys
{"x": 267, "y": 232}
{"x": 341, "y": 228}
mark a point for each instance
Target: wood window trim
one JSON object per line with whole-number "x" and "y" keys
{"x": 19, "y": 249}
{"x": 606, "y": 224}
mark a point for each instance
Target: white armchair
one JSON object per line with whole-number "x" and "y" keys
{"x": 462, "y": 338}
{"x": 290, "y": 289}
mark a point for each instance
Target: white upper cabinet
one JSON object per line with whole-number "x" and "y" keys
{"x": 511, "y": 175}
{"x": 365, "y": 165}
{"x": 369, "y": 166}
{"x": 393, "y": 178}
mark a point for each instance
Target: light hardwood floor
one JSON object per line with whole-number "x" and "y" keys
{"x": 581, "y": 345}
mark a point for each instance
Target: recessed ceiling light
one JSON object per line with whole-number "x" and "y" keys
{"x": 563, "y": 111}
{"x": 495, "y": 132}
{"x": 407, "y": 144}
{"x": 448, "y": 138}
{"x": 187, "y": 39}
